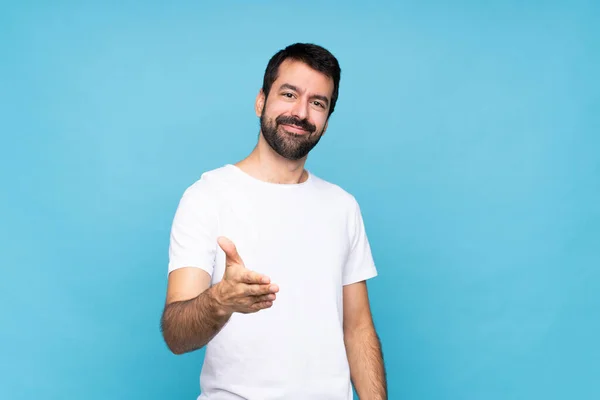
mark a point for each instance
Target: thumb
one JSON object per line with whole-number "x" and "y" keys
{"x": 230, "y": 250}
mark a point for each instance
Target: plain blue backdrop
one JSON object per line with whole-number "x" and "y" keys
{"x": 469, "y": 133}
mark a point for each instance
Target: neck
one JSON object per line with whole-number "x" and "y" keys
{"x": 265, "y": 164}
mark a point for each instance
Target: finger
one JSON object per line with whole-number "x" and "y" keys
{"x": 262, "y": 305}
{"x": 252, "y": 277}
{"x": 230, "y": 250}
{"x": 259, "y": 290}
{"x": 265, "y": 297}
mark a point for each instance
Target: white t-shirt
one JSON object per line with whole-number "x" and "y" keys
{"x": 309, "y": 238}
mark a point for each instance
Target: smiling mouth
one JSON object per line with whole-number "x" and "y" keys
{"x": 295, "y": 128}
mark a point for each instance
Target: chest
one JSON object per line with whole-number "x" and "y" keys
{"x": 299, "y": 243}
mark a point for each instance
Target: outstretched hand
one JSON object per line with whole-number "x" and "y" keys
{"x": 242, "y": 290}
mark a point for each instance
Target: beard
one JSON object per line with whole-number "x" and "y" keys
{"x": 289, "y": 145}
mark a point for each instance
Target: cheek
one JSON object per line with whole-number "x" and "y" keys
{"x": 319, "y": 121}
{"x": 276, "y": 108}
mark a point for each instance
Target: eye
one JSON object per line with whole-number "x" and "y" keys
{"x": 288, "y": 95}
{"x": 318, "y": 104}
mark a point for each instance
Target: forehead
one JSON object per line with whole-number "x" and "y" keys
{"x": 299, "y": 74}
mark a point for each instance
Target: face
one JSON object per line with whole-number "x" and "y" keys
{"x": 293, "y": 117}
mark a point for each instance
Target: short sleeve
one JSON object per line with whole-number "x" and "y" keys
{"x": 193, "y": 239}
{"x": 359, "y": 264}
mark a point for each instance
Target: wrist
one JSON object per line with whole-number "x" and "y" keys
{"x": 216, "y": 300}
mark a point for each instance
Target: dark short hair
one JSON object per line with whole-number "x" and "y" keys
{"x": 316, "y": 57}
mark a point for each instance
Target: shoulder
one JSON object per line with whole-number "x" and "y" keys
{"x": 203, "y": 193}
{"x": 208, "y": 182}
{"x": 336, "y": 194}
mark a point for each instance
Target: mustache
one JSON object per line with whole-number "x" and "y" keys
{"x": 301, "y": 123}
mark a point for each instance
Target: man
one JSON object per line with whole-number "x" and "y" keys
{"x": 268, "y": 262}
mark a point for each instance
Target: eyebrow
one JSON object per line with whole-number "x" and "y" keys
{"x": 295, "y": 89}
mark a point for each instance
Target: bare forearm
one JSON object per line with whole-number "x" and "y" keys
{"x": 366, "y": 363}
{"x": 189, "y": 325}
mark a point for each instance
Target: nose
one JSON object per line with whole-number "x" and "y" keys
{"x": 300, "y": 109}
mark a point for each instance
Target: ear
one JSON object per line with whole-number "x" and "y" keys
{"x": 259, "y": 104}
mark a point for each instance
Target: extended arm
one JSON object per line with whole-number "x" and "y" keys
{"x": 192, "y": 316}
{"x": 194, "y": 312}
{"x": 362, "y": 345}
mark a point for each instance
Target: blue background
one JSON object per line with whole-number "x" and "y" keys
{"x": 469, "y": 133}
